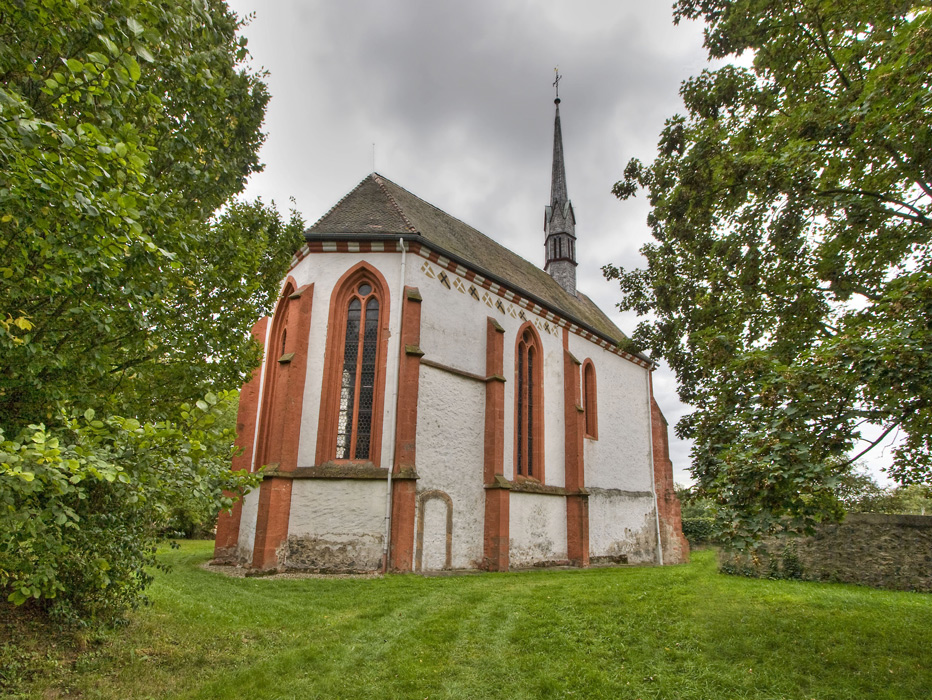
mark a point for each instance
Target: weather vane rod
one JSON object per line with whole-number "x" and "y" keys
{"x": 556, "y": 82}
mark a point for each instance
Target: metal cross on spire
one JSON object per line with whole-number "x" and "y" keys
{"x": 556, "y": 82}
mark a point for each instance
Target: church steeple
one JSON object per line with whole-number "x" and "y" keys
{"x": 559, "y": 220}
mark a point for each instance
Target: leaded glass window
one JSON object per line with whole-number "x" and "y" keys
{"x": 357, "y": 385}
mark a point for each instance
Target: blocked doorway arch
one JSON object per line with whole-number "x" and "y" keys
{"x": 446, "y": 537}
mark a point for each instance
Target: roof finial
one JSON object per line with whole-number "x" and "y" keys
{"x": 556, "y": 83}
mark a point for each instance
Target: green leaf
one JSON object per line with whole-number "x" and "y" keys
{"x": 112, "y": 48}
{"x": 134, "y": 26}
{"x": 144, "y": 53}
{"x": 132, "y": 66}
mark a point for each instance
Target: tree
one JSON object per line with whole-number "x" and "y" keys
{"x": 789, "y": 278}
{"x": 129, "y": 279}
{"x": 858, "y": 491}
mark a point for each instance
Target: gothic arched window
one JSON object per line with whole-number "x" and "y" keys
{"x": 352, "y": 397}
{"x": 529, "y": 414}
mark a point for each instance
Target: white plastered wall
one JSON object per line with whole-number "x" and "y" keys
{"x": 451, "y": 415}
{"x": 336, "y": 524}
{"x": 453, "y": 333}
{"x": 453, "y": 323}
{"x": 450, "y": 451}
{"x": 618, "y": 465}
{"x": 621, "y": 456}
{"x": 537, "y": 525}
{"x": 434, "y": 516}
{"x": 621, "y": 523}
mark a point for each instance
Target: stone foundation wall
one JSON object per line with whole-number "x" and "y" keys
{"x": 883, "y": 551}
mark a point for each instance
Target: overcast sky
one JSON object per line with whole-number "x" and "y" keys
{"x": 458, "y": 99}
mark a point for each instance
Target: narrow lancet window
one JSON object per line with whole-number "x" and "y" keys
{"x": 357, "y": 386}
{"x": 528, "y": 406}
{"x": 590, "y": 400}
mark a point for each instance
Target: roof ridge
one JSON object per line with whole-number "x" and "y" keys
{"x": 380, "y": 181}
{"x": 342, "y": 199}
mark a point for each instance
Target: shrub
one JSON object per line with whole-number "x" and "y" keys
{"x": 84, "y": 507}
{"x": 699, "y": 530}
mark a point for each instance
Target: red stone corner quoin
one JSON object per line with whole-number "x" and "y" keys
{"x": 577, "y": 499}
{"x": 675, "y": 546}
{"x": 278, "y": 428}
{"x": 404, "y": 493}
{"x": 495, "y": 537}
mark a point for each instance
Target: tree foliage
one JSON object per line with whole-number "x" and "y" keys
{"x": 129, "y": 280}
{"x": 124, "y": 127}
{"x": 789, "y": 278}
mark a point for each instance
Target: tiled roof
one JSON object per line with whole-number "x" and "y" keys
{"x": 379, "y": 206}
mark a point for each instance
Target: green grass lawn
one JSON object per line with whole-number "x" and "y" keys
{"x": 676, "y": 632}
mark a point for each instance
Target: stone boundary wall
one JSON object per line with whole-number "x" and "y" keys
{"x": 871, "y": 549}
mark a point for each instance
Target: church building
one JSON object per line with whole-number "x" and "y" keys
{"x": 431, "y": 401}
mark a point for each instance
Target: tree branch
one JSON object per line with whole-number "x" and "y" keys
{"x": 924, "y": 186}
{"x": 919, "y": 216}
{"x": 876, "y": 442}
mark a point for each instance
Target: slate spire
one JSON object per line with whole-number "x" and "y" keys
{"x": 558, "y": 178}
{"x": 559, "y": 220}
